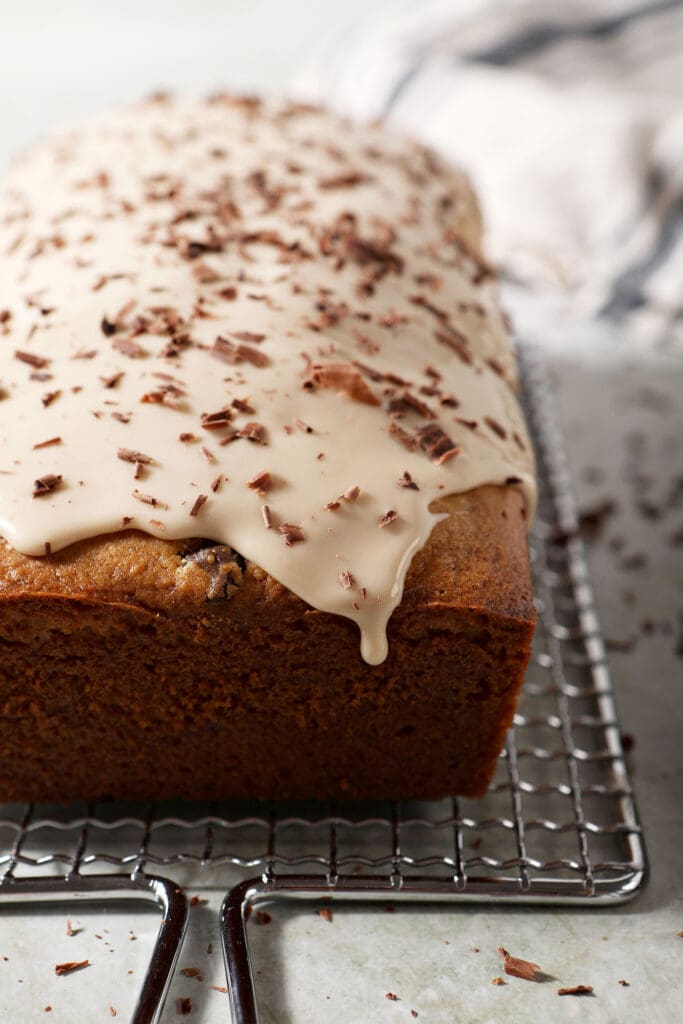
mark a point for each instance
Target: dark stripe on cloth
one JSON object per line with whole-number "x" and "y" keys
{"x": 546, "y": 34}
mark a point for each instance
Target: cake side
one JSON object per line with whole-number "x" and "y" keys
{"x": 203, "y": 695}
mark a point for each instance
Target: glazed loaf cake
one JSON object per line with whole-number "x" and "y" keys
{"x": 258, "y": 397}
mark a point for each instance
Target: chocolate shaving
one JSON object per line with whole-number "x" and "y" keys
{"x": 261, "y": 483}
{"x": 216, "y": 482}
{"x": 343, "y": 378}
{"x": 407, "y": 440}
{"x": 517, "y": 968}
{"x": 165, "y": 394}
{"x": 351, "y": 493}
{"x": 407, "y": 481}
{"x": 49, "y": 397}
{"x": 248, "y": 336}
{"x": 47, "y": 444}
{"x": 108, "y": 327}
{"x": 576, "y": 990}
{"x": 349, "y": 180}
{"x": 253, "y": 432}
{"x": 200, "y": 501}
{"x": 241, "y": 405}
{"x": 192, "y": 972}
{"x": 302, "y": 426}
{"x": 267, "y": 519}
{"x": 470, "y": 424}
{"x": 111, "y": 382}
{"x": 70, "y": 966}
{"x": 436, "y": 443}
{"x": 129, "y": 455}
{"x": 346, "y": 579}
{"x": 31, "y": 358}
{"x": 46, "y": 484}
{"x": 496, "y": 427}
{"x": 215, "y": 420}
{"x": 128, "y": 347}
{"x": 147, "y": 499}
{"x": 388, "y": 517}
{"x": 455, "y": 341}
{"x": 292, "y": 533}
{"x": 206, "y": 453}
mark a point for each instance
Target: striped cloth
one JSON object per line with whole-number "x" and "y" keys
{"x": 569, "y": 117}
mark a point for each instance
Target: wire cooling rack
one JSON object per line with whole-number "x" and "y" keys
{"x": 558, "y": 825}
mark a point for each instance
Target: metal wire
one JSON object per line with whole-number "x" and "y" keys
{"x": 559, "y": 821}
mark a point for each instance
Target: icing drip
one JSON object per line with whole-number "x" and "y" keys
{"x": 252, "y": 323}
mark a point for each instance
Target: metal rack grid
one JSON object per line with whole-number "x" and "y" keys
{"x": 559, "y": 823}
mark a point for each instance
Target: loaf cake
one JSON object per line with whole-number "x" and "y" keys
{"x": 265, "y": 483}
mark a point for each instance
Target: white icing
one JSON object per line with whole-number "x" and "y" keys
{"x": 75, "y": 212}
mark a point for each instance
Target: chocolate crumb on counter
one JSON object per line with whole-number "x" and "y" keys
{"x": 46, "y": 484}
{"x": 70, "y": 966}
{"x": 392, "y": 997}
{"x": 414, "y": 1013}
{"x": 263, "y": 917}
{"x": 192, "y": 972}
{"x": 497, "y": 981}
{"x": 518, "y": 968}
{"x": 576, "y": 990}
{"x": 624, "y": 983}
{"x": 389, "y": 517}
{"x": 184, "y": 1005}
{"x": 325, "y": 913}
{"x": 292, "y": 533}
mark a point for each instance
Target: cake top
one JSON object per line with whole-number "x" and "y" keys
{"x": 255, "y": 323}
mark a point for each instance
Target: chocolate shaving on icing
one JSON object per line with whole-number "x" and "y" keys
{"x": 261, "y": 483}
{"x": 470, "y": 424}
{"x": 407, "y": 440}
{"x": 216, "y": 482}
{"x": 292, "y": 533}
{"x": 69, "y": 966}
{"x": 252, "y": 355}
{"x": 343, "y": 378}
{"x": 47, "y": 444}
{"x": 49, "y": 397}
{"x": 187, "y": 436}
{"x": 407, "y": 481}
{"x": 388, "y": 517}
{"x": 225, "y": 350}
{"x": 346, "y": 579}
{"x": 206, "y": 453}
{"x": 165, "y": 394}
{"x": 406, "y": 403}
{"x": 267, "y": 519}
{"x": 122, "y": 417}
{"x": 200, "y": 501}
{"x": 253, "y": 432}
{"x": 111, "y": 382}
{"x": 215, "y": 420}
{"x": 302, "y": 426}
{"x": 46, "y": 484}
{"x": 351, "y": 493}
{"x": 248, "y": 336}
{"x": 332, "y": 506}
{"x": 348, "y": 180}
{"x": 517, "y": 968}
{"x": 436, "y": 443}
{"x": 108, "y": 327}
{"x": 128, "y": 347}
{"x": 129, "y": 455}
{"x": 455, "y": 341}
{"x": 241, "y": 405}
{"x": 496, "y": 427}
{"x": 147, "y": 499}
{"x": 31, "y": 358}
{"x": 576, "y": 990}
